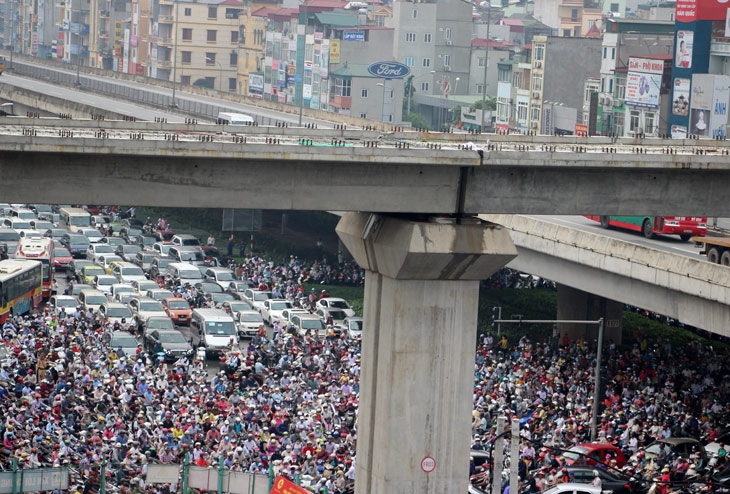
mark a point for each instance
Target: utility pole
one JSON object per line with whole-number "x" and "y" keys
{"x": 304, "y": 52}
{"x": 174, "y": 53}
{"x": 486, "y": 62}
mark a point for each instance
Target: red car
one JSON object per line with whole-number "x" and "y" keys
{"x": 594, "y": 453}
{"x": 61, "y": 259}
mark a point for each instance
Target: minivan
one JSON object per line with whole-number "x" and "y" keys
{"x": 184, "y": 273}
{"x": 186, "y": 240}
{"x": 222, "y": 276}
{"x": 189, "y": 254}
{"x": 91, "y": 299}
{"x": 216, "y": 329}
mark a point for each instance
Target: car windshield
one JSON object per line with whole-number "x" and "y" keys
{"x": 132, "y": 271}
{"x": 252, "y": 317}
{"x": 133, "y": 232}
{"x": 95, "y": 299}
{"x": 241, "y": 286}
{"x": 338, "y": 314}
{"x": 226, "y": 328}
{"x": 92, "y": 233}
{"x": 103, "y": 249}
{"x": 146, "y": 285}
{"x": 150, "y": 306}
{"x": 93, "y": 270}
{"x": 225, "y": 276}
{"x": 178, "y": 305}
{"x": 78, "y": 241}
{"x": 192, "y": 255}
{"x": 312, "y": 324}
{"x": 66, "y": 302}
{"x": 105, "y": 280}
{"x": 238, "y": 306}
{"x": 123, "y": 289}
{"x": 172, "y": 337}
{"x": 123, "y": 340}
{"x": 131, "y": 249}
{"x": 10, "y": 235}
{"x": 21, "y": 225}
{"x": 576, "y": 453}
{"x": 189, "y": 274}
{"x": 339, "y": 304}
{"x": 261, "y": 296}
{"x": 280, "y": 305}
{"x": 118, "y": 312}
{"x": 61, "y": 252}
{"x": 160, "y": 323}
{"x": 80, "y": 220}
{"x": 221, "y": 297}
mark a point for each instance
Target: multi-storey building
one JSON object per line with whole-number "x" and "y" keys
{"x": 571, "y": 18}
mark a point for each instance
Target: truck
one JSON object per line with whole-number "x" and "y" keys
{"x": 717, "y": 249}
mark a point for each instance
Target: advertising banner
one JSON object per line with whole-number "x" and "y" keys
{"x": 284, "y": 486}
{"x": 708, "y": 114}
{"x": 680, "y": 97}
{"x": 335, "y": 51}
{"x": 701, "y": 10}
{"x": 256, "y": 82}
{"x": 643, "y": 89}
{"x": 683, "y": 49}
{"x": 727, "y": 24}
{"x": 353, "y": 35}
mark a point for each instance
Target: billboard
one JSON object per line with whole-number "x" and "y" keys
{"x": 710, "y": 97}
{"x": 335, "y": 51}
{"x": 700, "y": 10}
{"x": 256, "y": 82}
{"x": 680, "y": 97}
{"x": 683, "y": 49}
{"x": 643, "y": 82}
{"x": 353, "y": 35}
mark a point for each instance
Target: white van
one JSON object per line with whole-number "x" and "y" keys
{"x": 216, "y": 329}
{"x": 75, "y": 219}
{"x": 183, "y": 273}
{"x": 234, "y": 119}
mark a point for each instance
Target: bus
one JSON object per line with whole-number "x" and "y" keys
{"x": 38, "y": 249}
{"x": 75, "y": 219}
{"x": 20, "y": 287}
{"x": 684, "y": 226}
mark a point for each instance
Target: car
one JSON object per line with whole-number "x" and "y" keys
{"x": 106, "y": 261}
{"x": 121, "y": 288}
{"x": 121, "y": 341}
{"x": 61, "y": 258}
{"x": 210, "y": 252}
{"x": 613, "y": 481}
{"x": 335, "y": 303}
{"x": 287, "y": 314}
{"x": 158, "y": 266}
{"x": 158, "y": 322}
{"x": 143, "y": 308}
{"x": 162, "y": 248}
{"x": 129, "y": 232}
{"x": 352, "y": 327}
{"x": 178, "y": 309}
{"x": 99, "y": 220}
{"x": 144, "y": 259}
{"x": 248, "y": 322}
{"x": 67, "y": 302}
{"x": 92, "y": 234}
{"x": 104, "y": 283}
{"x": 76, "y": 243}
{"x": 234, "y": 306}
{"x": 220, "y": 298}
{"x": 206, "y": 288}
{"x": 115, "y": 312}
{"x": 192, "y": 255}
{"x": 222, "y": 276}
{"x": 171, "y": 341}
{"x": 144, "y": 240}
{"x": 126, "y": 272}
{"x": 680, "y": 446}
{"x": 18, "y": 224}
{"x": 237, "y": 288}
{"x": 256, "y": 297}
{"x": 96, "y": 249}
{"x": 125, "y": 297}
{"x": 573, "y": 488}
{"x": 89, "y": 272}
{"x": 164, "y": 235}
{"x": 271, "y": 309}
{"x": 77, "y": 288}
{"x": 141, "y": 286}
{"x": 113, "y": 241}
{"x": 42, "y": 226}
{"x": 128, "y": 252}
{"x": 91, "y": 299}
{"x": 308, "y": 323}
{"x": 334, "y": 317}
{"x": 40, "y": 208}
{"x": 159, "y": 294}
{"x": 185, "y": 240}
{"x": 55, "y": 233}
{"x": 9, "y": 239}
{"x": 73, "y": 271}
{"x": 593, "y": 453}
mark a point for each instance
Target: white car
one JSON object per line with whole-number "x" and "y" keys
{"x": 106, "y": 260}
{"x": 126, "y": 272}
{"x": 115, "y": 312}
{"x": 335, "y": 303}
{"x": 64, "y": 301}
{"x": 141, "y": 286}
{"x": 573, "y": 488}
{"x": 143, "y": 308}
{"x": 352, "y": 326}
{"x": 271, "y": 309}
{"x": 256, "y": 297}
{"x": 248, "y": 322}
{"x": 287, "y": 314}
{"x": 92, "y": 234}
{"x": 95, "y": 250}
{"x": 104, "y": 282}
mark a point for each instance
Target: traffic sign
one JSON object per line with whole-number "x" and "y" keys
{"x": 428, "y": 464}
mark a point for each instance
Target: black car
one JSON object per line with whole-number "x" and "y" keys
{"x": 76, "y": 243}
{"x": 170, "y": 342}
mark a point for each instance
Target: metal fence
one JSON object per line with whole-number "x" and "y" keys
{"x": 34, "y": 479}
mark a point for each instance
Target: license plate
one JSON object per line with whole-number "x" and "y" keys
{"x": 182, "y": 317}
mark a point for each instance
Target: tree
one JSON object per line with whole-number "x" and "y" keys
{"x": 202, "y": 82}
{"x": 491, "y": 104}
{"x": 417, "y": 121}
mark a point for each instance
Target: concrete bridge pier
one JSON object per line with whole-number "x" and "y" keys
{"x": 579, "y": 305}
{"x": 421, "y": 300}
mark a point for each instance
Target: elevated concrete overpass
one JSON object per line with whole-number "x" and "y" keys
{"x": 693, "y": 291}
{"x": 158, "y": 164}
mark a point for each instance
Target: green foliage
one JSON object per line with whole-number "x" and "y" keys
{"x": 490, "y": 104}
{"x": 456, "y": 115}
{"x": 530, "y": 303}
{"x": 203, "y": 83}
{"x": 417, "y": 120}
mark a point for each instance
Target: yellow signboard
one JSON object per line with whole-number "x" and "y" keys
{"x": 334, "y": 51}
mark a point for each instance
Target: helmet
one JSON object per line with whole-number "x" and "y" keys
{"x": 595, "y": 473}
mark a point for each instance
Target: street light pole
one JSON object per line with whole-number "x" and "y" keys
{"x": 12, "y": 33}
{"x": 486, "y": 62}
{"x": 304, "y": 52}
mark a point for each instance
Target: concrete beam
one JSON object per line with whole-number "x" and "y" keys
{"x": 690, "y": 290}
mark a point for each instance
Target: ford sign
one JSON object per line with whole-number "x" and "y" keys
{"x": 389, "y": 70}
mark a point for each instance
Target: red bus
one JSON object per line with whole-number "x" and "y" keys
{"x": 20, "y": 287}
{"x": 684, "y": 226}
{"x": 38, "y": 249}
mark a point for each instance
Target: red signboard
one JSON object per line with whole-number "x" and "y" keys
{"x": 581, "y": 130}
{"x": 283, "y": 486}
{"x": 701, "y": 10}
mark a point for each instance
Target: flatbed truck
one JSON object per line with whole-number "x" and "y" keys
{"x": 717, "y": 249}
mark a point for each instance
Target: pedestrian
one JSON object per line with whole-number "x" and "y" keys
{"x": 229, "y": 246}
{"x": 242, "y": 248}
{"x": 211, "y": 241}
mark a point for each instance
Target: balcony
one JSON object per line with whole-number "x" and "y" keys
{"x": 165, "y": 18}
{"x": 167, "y": 2}
{"x": 570, "y": 20}
{"x": 720, "y": 46}
{"x": 164, "y": 64}
{"x": 162, "y": 41}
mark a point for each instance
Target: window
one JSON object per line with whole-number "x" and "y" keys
{"x": 613, "y": 53}
{"x": 620, "y": 90}
{"x": 522, "y": 111}
{"x": 605, "y": 51}
{"x": 614, "y": 7}
{"x": 187, "y": 34}
{"x": 363, "y": 115}
{"x": 210, "y": 58}
{"x": 232, "y": 13}
{"x": 184, "y": 79}
{"x": 187, "y": 57}
{"x": 447, "y": 34}
{"x": 573, "y": 15}
{"x": 634, "y": 120}
{"x": 414, "y": 14}
{"x": 424, "y": 86}
{"x": 212, "y": 34}
{"x": 447, "y": 60}
{"x": 427, "y": 38}
{"x": 411, "y": 37}
{"x": 242, "y": 34}
{"x": 480, "y": 88}
{"x": 212, "y": 12}
{"x": 649, "y": 122}
{"x": 536, "y": 83}
{"x": 409, "y": 61}
{"x": 610, "y": 86}
{"x": 342, "y": 87}
{"x": 234, "y": 37}
{"x": 481, "y": 61}
{"x": 188, "y": 12}
{"x": 233, "y": 59}
{"x": 536, "y": 118}
{"x": 539, "y": 52}
{"x": 504, "y": 75}
{"x": 566, "y": 33}
{"x": 363, "y": 93}
{"x": 232, "y": 84}
{"x": 426, "y": 62}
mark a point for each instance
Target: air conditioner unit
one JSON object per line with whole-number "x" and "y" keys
{"x": 601, "y": 100}
{"x": 617, "y": 103}
{"x": 448, "y": 42}
{"x": 538, "y": 65}
{"x": 447, "y": 68}
{"x": 535, "y": 95}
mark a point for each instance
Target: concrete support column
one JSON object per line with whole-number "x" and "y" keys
{"x": 421, "y": 298}
{"x": 577, "y": 304}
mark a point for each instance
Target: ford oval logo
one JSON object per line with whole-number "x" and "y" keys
{"x": 389, "y": 70}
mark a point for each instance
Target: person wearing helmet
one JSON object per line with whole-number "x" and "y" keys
{"x": 596, "y": 479}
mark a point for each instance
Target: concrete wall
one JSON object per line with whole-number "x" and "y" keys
{"x": 579, "y": 57}
{"x": 689, "y": 290}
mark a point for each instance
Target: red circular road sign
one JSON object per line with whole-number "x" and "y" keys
{"x": 428, "y": 464}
